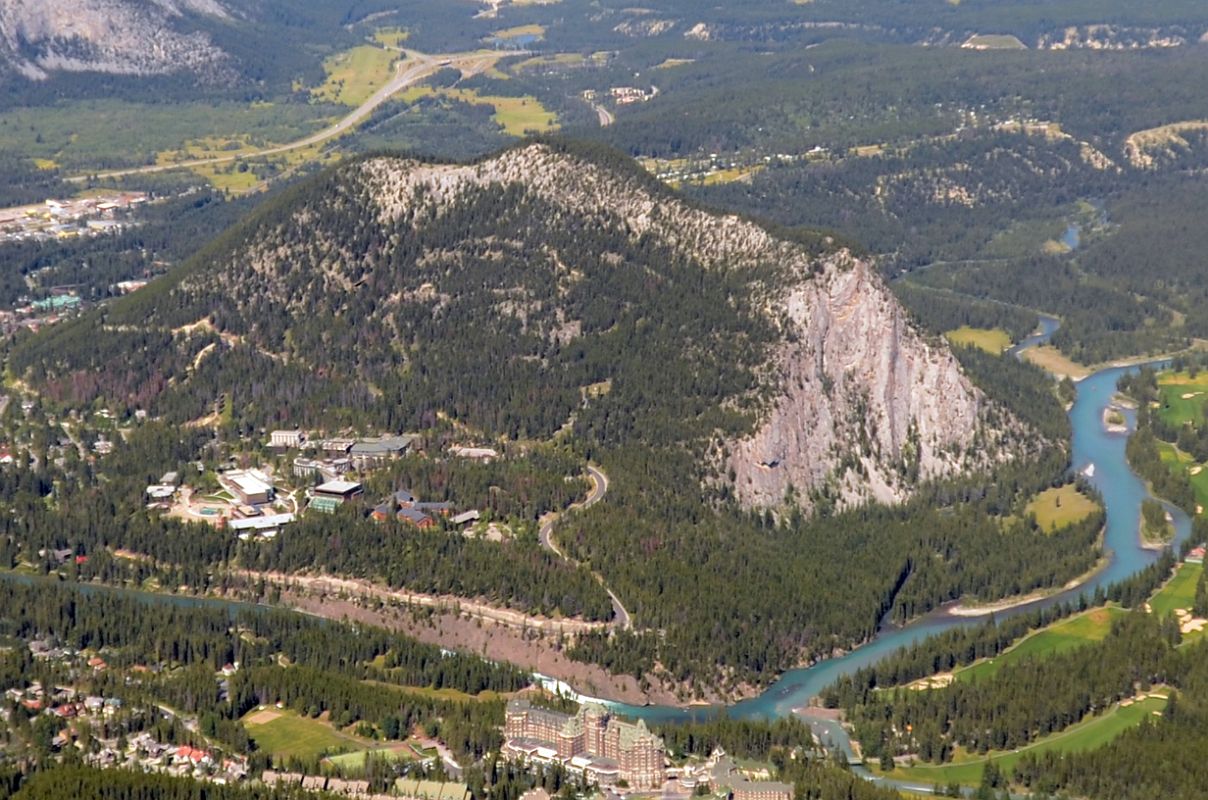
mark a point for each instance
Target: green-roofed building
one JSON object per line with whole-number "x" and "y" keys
{"x": 325, "y": 505}
{"x": 56, "y": 303}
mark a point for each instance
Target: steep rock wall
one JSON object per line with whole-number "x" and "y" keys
{"x": 866, "y": 406}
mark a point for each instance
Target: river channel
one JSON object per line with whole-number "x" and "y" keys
{"x": 1122, "y": 493}
{"x": 1095, "y": 453}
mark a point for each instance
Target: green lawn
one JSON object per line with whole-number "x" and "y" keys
{"x": 356, "y": 760}
{"x": 1176, "y": 459}
{"x": 1183, "y": 397}
{"x": 992, "y": 340}
{"x": 1062, "y": 506}
{"x": 1086, "y": 735}
{"x": 291, "y": 735}
{"x": 1179, "y": 591}
{"x": 1090, "y": 626}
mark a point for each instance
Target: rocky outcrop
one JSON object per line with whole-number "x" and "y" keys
{"x": 120, "y": 37}
{"x": 846, "y": 401}
{"x": 867, "y": 407}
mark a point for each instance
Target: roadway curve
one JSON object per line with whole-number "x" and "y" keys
{"x": 606, "y": 116}
{"x": 414, "y": 67}
{"x": 599, "y": 488}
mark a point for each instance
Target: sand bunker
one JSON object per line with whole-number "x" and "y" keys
{"x": 1188, "y": 623}
{"x": 934, "y": 682}
{"x": 1189, "y": 395}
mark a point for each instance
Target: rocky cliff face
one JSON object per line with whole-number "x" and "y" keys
{"x": 866, "y": 407}
{"x": 120, "y": 37}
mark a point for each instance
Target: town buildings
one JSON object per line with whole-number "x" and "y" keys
{"x": 726, "y": 777}
{"x": 285, "y": 440}
{"x": 252, "y": 486}
{"x": 367, "y": 453}
{"x": 342, "y": 491}
{"x": 610, "y": 752}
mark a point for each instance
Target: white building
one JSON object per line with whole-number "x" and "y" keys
{"x": 286, "y": 439}
{"x": 252, "y": 486}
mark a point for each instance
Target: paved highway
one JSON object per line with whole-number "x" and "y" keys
{"x": 414, "y": 68}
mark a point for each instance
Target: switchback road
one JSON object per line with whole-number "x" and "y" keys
{"x": 599, "y": 488}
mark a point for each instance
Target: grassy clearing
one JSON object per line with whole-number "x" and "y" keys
{"x": 354, "y": 75}
{"x": 391, "y": 37}
{"x": 1068, "y": 634}
{"x": 1086, "y": 735}
{"x": 1053, "y": 360}
{"x": 551, "y": 61}
{"x": 992, "y": 340}
{"x": 284, "y": 734}
{"x": 675, "y": 62}
{"x": 558, "y": 61}
{"x": 519, "y": 31}
{"x": 731, "y": 175}
{"x": 1062, "y": 506}
{"x": 516, "y": 115}
{"x": 1179, "y": 591}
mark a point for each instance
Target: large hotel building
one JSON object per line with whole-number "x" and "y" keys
{"x": 605, "y": 748}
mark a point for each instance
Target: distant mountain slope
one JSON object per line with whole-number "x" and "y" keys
{"x": 122, "y": 37}
{"x": 542, "y": 285}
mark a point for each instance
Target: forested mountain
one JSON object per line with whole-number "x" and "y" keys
{"x": 388, "y": 292}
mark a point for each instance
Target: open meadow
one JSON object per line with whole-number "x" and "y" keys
{"x": 1061, "y": 506}
{"x": 285, "y": 734}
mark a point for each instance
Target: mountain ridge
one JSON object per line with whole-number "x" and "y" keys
{"x": 39, "y": 38}
{"x": 498, "y": 291}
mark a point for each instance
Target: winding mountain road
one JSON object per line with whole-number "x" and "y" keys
{"x": 599, "y": 488}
